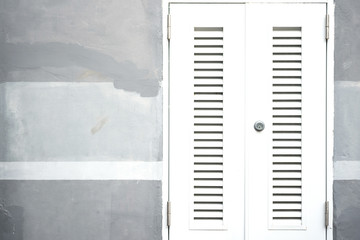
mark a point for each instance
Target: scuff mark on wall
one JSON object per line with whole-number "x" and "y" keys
{"x": 6, "y": 220}
{"x": 29, "y": 57}
{"x": 89, "y": 74}
{"x": 99, "y": 125}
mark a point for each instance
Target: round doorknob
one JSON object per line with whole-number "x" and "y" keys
{"x": 259, "y": 126}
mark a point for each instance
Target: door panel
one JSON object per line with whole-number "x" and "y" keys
{"x": 207, "y": 82}
{"x": 285, "y": 86}
{"x": 230, "y": 66}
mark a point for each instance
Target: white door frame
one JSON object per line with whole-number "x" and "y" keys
{"x": 329, "y": 104}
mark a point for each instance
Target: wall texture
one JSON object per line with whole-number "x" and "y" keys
{"x": 81, "y": 119}
{"x": 347, "y": 121}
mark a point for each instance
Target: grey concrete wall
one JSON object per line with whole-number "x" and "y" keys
{"x": 81, "y": 119}
{"x": 83, "y": 210}
{"x": 347, "y": 121}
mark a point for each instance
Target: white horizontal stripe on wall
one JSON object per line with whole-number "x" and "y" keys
{"x": 81, "y": 170}
{"x": 346, "y": 170}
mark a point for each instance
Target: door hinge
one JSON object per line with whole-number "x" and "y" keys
{"x": 327, "y": 214}
{"x": 327, "y": 27}
{"x": 168, "y": 26}
{"x": 168, "y": 214}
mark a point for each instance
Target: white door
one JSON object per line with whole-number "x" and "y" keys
{"x": 232, "y": 65}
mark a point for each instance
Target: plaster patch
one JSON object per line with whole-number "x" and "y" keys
{"x": 347, "y": 170}
{"x": 71, "y": 121}
{"x": 347, "y": 121}
{"x": 41, "y": 56}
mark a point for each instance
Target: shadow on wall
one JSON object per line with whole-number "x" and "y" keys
{"x": 11, "y": 222}
{"x": 52, "y": 56}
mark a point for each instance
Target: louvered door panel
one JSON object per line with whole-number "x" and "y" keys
{"x": 206, "y": 164}
{"x": 286, "y": 198}
{"x": 208, "y": 203}
{"x": 285, "y": 89}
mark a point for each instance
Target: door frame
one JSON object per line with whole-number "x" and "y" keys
{"x": 329, "y": 102}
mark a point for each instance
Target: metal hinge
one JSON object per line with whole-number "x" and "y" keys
{"x": 327, "y": 214}
{"x": 327, "y": 26}
{"x": 169, "y": 214}
{"x": 168, "y": 26}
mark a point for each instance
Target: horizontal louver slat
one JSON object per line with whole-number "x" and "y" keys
{"x": 203, "y": 128}
{"x": 287, "y": 136}
{"x": 206, "y": 112}
{"x": 209, "y": 41}
{"x": 208, "y": 214}
{"x": 208, "y": 73}
{"x": 208, "y": 89}
{"x": 286, "y": 81}
{"x": 285, "y": 120}
{"x": 206, "y": 168}
{"x": 208, "y": 58}
{"x": 208, "y": 97}
{"x": 293, "y": 198}
{"x": 286, "y": 89}
{"x": 208, "y": 199}
{"x": 287, "y": 205}
{"x": 208, "y": 191}
{"x": 202, "y": 144}
{"x": 283, "y": 57}
{"x": 208, "y": 49}
{"x": 216, "y": 160}
{"x": 287, "y": 159}
{"x": 277, "y": 128}
{"x": 291, "y": 65}
{"x": 287, "y": 41}
{"x": 287, "y": 49}
{"x": 286, "y": 151}
{"x": 286, "y": 190}
{"x": 208, "y": 206}
{"x": 208, "y": 65}
{"x": 286, "y": 167}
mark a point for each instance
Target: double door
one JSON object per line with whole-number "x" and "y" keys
{"x": 247, "y": 121}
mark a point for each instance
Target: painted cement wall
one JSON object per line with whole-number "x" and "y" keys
{"x": 81, "y": 119}
{"x": 347, "y": 121}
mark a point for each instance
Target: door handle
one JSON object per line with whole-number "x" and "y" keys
{"x": 259, "y": 126}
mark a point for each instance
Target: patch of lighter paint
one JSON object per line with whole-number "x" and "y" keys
{"x": 347, "y": 84}
{"x": 347, "y": 170}
{"x": 94, "y": 170}
{"x": 347, "y": 65}
{"x": 99, "y": 125}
